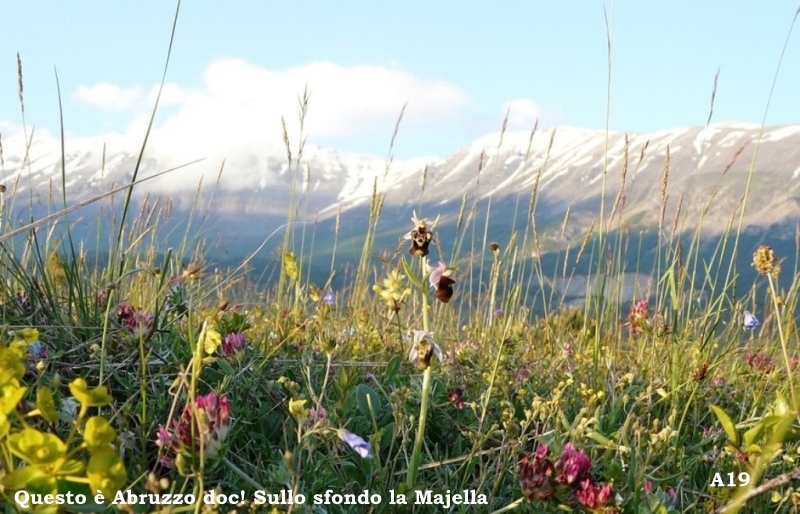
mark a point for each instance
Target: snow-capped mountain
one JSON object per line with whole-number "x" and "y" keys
{"x": 705, "y": 170}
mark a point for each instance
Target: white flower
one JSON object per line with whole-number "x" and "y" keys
{"x": 420, "y": 223}
{"x": 357, "y": 443}
{"x": 436, "y": 274}
{"x": 421, "y": 236}
{"x": 750, "y": 321}
{"x": 423, "y": 347}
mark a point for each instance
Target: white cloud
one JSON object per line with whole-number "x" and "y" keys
{"x": 522, "y": 113}
{"x": 8, "y": 129}
{"x": 241, "y": 104}
{"x": 109, "y": 97}
{"x": 236, "y": 113}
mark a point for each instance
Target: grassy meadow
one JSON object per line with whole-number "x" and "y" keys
{"x": 440, "y": 374}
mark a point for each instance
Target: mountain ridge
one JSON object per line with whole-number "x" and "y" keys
{"x": 569, "y": 170}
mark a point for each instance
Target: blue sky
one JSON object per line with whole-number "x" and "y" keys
{"x": 238, "y": 66}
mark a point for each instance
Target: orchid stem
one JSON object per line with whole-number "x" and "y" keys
{"x": 779, "y": 318}
{"x": 423, "y": 415}
{"x": 426, "y": 389}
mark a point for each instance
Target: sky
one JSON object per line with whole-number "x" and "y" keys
{"x": 237, "y": 68}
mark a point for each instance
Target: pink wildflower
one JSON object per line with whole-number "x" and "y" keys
{"x": 536, "y": 475}
{"x": 455, "y": 395}
{"x": 573, "y": 465}
{"x": 233, "y": 346}
{"x": 637, "y": 316}
{"x": 760, "y": 362}
{"x": 596, "y": 497}
{"x": 211, "y": 417}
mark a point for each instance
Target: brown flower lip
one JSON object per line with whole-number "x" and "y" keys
{"x": 420, "y": 240}
{"x": 421, "y": 236}
{"x": 444, "y": 290}
{"x": 441, "y": 282}
{"x": 423, "y": 349}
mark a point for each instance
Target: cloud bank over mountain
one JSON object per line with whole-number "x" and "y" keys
{"x": 240, "y": 106}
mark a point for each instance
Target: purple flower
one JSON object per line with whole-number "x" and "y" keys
{"x": 124, "y": 312}
{"x": 536, "y": 475}
{"x": 233, "y": 346}
{"x": 329, "y": 298}
{"x": 359, "y": 445}
{"x": 761, "y": 362}
{"x": 138, "y": 321}
{"x": 456, "y": 396}
{"x": 750, "y": 321}
{"x": 637, "y": 316}
{"x": 202, "y": 425}
{"x": 315, "y": 415}
{"x": 595, "y": 496}
{"x": 573, "y": 465}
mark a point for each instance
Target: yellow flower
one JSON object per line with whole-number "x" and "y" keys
{"x": 297, "y": 409}
{"x": 33, "y": 480}
{"x": 11, "y": 367}
{"x": 290, "y": 266}
{"x": 28, "y": 335}
{"x": 210, "y": 339}
{"x": 56, "y": 269}
{"x": 97, "y": 397}
{"x": 46, "y": 405}
{"x": 5, "y": 426}
{"x": 10, "y": 396}
{"x": 98, "y": 434}
{"x": 393, "y": 290}
{"x": 106, "y": 472}
{"x": 36, "y": 448}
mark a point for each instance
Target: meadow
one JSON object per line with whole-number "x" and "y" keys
{"x": 440, "y": 374}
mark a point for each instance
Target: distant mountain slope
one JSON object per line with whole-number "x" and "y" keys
{"x": 565, "y": 165}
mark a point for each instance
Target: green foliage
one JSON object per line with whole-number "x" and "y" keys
{"x": 204, "y": 380}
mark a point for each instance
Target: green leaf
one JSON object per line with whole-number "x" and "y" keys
{"x": 753, "y": 449}
{"x": 392, "y": 368}
{"x": 755, "y": 433}
{"x": 225, "y": 367}
{"x": 771, "y": 421}
{"x": 781, "y": 405}
{"x": 342, "y": 383}
{"x": 411, "y": 276}
{"x": 438, "y": 391}
{"x": 727, "y": 424}
{"x": 368, "y": 401}
{"x": 387, "y": 434}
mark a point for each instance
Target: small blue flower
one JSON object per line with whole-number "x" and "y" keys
{"x": 750, "y": 321}
{"x": 359, "y": 445}
{"x": 329, "y": 298}
{"x": 35, "y": 349}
